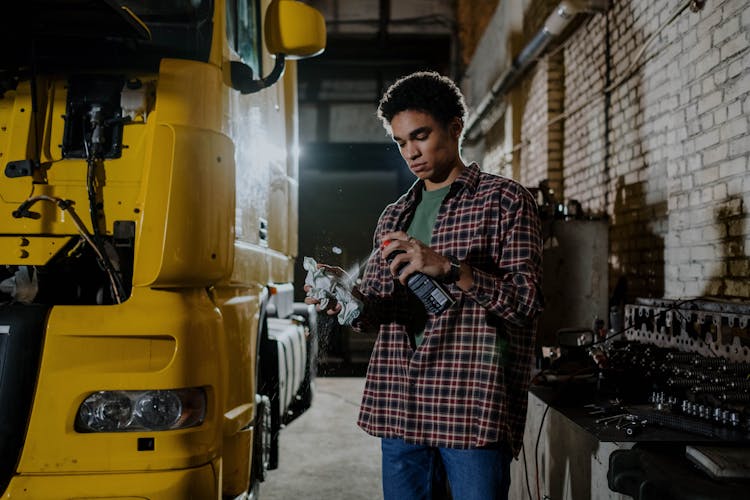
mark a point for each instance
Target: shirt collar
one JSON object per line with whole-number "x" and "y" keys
{"x": 469, "y": 179}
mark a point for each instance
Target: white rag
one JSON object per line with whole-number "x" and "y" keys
{"x": 325, "y": 286}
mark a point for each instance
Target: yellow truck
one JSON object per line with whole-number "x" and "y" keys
{"x": 149, "y": 342}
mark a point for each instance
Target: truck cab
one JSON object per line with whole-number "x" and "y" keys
{"x": 149, "y": 344}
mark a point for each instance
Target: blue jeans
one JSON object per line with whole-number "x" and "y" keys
{"x": 410, "y": 471}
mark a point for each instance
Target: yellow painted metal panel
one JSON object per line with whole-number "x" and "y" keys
{"x": 188, "y": 319}
{"x": 30, "y": 250}
{"x": 237, "y": 462}
{"x": 120, "y": 354}
{"x": 294, "y": 28}
{"x": 200, "y": 482}
{"x": 250, "y": 264}
{"x": 15, "y": 131}
{"x": 278, "y": 210}
{"x": 282, "y": 268}
{"x": 240, "y": 315}
{"x": 190, "y": 93}
{"x": 187, "y": 227}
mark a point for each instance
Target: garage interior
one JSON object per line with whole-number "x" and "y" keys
{"x": 629, "y": 120}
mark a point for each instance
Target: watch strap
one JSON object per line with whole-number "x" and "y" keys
{"x": 454, "y": 274}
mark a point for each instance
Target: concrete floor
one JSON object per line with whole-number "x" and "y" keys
{"x": 323, "y": 454}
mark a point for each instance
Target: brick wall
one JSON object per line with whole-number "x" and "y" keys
{"x": 541, "y": 147}
{"x": 664, "y": 152}
{"x": 472, "y": 17}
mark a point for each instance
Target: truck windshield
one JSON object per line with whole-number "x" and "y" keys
{"x": 103, "y": 34}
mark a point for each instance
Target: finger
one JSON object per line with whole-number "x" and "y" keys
{"x": 395, "y": 236}
{"x": 333, "y": 310}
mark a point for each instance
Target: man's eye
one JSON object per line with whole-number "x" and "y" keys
{"x": 422, "y": 137}
{"x": 401, "y": 144}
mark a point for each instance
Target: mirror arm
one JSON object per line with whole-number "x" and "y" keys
{"x": 252, "y": 86}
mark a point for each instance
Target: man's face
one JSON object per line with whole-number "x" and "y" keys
{"x": 429, "y": 149}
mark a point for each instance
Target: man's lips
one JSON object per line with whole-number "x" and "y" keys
{"x": 417, "y": 167}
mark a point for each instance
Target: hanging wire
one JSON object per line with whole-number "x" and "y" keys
{"x": 67, "y": 206}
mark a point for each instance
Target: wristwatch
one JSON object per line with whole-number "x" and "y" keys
{"x": 454, "y": 274}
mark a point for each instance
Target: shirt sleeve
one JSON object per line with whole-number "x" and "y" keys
{"x": 371, "y": 286}
{"x": 514, "y": 292}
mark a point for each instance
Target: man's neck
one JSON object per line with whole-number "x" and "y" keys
{"x": 453, "y": 174}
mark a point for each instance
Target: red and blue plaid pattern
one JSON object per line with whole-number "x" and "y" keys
{"x": 466, "y": 385}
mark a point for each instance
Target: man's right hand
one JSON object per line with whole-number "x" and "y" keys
{"x": 333, "y": 307}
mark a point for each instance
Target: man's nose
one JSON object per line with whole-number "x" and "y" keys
{"x": 412, "y": 152}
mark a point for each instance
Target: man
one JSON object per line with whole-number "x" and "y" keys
{"x": 451, "y": 386}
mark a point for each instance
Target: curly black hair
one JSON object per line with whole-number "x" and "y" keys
{"x": 425, "y": 91}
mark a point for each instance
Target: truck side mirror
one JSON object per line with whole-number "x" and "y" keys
{"x": 292, "y": 30}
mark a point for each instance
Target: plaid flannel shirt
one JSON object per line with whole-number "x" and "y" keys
{"x": 466, "y": 385}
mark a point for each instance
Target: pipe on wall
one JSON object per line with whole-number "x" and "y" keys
{"x": 555, "y": 24}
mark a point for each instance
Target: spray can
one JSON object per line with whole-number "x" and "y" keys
{"x": 435, "y": 297}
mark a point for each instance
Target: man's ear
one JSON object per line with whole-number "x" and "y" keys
{"x": 456, "y": 127}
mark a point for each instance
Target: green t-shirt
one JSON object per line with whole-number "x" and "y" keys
{"x": 423, "y": 223}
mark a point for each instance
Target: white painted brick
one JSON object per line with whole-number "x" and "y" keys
{"x": 701, "y": 253}
{"x": 680, "y": 254}
{"x": 703, "y": 214}
{"x": 720, "y": 191}
{"x": 708, "y": 62}
{"x": 693, "y": 271}
{"x": 726, "y": 30}
{"x": 673, "y": 169}
{"x": 715, "y": 154}
{"x": 671, "y": 271}
{"x": 680, "y": 129}
{"x": 672, "y": 203}
{"x": 732, "y": 129}
{"x": 734, "y": 188}
{"x": 683, "y": 202}
{"x": 735, "y": 167}
{"x": 697, "y": 48}
{"x": 671, "y": 141}
{"x": 734, "y": 109}
{"x": 738, "y": 88}
{"x": 691, "y": 112}
{"x": 684, "y": 94}
{"x": 681, "y": 132}
{"x": 689, "y": 146}
{"x": 708, "y": 84}
{"x": 694, "y": 162}
{"x": 709, "y": 102}
{"x": 695, "y": 198}
{"x": 734, "y": 46}
{"x": 739, "y": 146}
{"x": 735, "y": 69}
{"x": 720, "y": 115}
{"x": 713, "y": 233}
{"x": 707, "y": 139}
{"x": 693, "y": 127}
{"x": 707, "y": 121}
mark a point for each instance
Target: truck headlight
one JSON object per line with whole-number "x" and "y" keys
{"x": 126, "y": 411}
